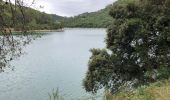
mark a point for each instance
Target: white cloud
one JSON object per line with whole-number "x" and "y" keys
{"x": 71, "y": 7}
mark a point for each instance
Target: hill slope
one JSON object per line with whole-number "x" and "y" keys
{"x": 40, "y": 20}
{"x": 33, "y": 19}
{"x": 159, "y": 90}
{"x": 99, "y": 19}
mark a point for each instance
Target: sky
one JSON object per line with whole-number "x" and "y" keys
{"x": 70, "y": 7}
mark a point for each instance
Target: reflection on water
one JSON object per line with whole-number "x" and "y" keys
{"x": 11, "y": 48}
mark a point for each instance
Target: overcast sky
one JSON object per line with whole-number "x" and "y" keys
{"x": 71, "y": 7}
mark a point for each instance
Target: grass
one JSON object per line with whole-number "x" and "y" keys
{"x": 159, "y": 90}
{"x": 55, "y": 95}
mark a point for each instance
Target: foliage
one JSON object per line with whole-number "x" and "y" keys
{"x": 139, "y": 41}
{"x": 97, "y": 19}
{"x": 13, "y": 16}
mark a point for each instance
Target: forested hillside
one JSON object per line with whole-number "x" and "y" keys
{"x": 31, "y": 18}
{"x": 35, "y": 19}
{"x": 99, "y": 19}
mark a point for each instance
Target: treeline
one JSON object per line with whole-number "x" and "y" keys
{"x": 31, "y": 18}
{"x": 99, "y": 19}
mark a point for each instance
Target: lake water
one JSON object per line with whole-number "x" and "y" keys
{"x": 57, "y": 60}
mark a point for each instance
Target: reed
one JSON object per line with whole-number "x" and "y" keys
{"x": 55, "y": 95}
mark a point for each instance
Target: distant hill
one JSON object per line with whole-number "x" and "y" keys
{"x": 56, "y": 17}
{"x": 41, "y": 20}
{"x": 33, "y": 19}
{"x": 99, "y": 19}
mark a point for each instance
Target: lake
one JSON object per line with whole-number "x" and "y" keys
{"x": 56, "y": 60}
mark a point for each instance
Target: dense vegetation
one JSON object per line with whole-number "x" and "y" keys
{"x": 99, "y": 19}
{"x": 31, "y": 18}
{"x": 139, "y": 47}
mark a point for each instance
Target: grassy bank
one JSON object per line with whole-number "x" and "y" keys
{"x": 159, "y": 90}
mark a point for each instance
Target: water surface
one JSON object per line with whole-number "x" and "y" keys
{"x": 57, "y": 60}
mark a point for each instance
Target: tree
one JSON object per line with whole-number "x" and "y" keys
{"x": 139, "y": 41}
{"x": 11, "y": 47}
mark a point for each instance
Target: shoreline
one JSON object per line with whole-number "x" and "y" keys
{"x": 58, "y": 30}
{"x": 32, "y": 32}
